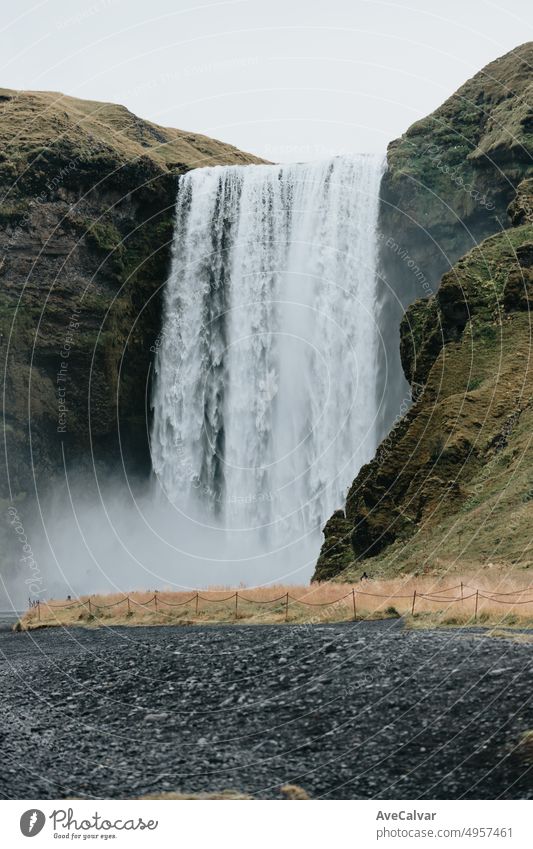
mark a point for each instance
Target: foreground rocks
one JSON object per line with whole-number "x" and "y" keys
{"x": 363, "y": 710}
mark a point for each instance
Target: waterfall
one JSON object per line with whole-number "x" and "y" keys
{"x": 264, "y": 403}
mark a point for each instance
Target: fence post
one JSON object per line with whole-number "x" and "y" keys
{"x": 414, "y": 602}
{"x": 236, "y": 605}
{"x": 461, "y": 590}
{"x": 354, "y": 607}
{"x": 477, "y": 599}
{"x": 197, "y": 604}
{"x": 39, "y": 609}
{"x": 90, "y": 609}
{"x": 155, "y": 601}
{"x": 129, "y": 610}
{"x": 287, "y": 607}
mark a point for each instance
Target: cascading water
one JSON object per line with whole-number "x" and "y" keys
{"x": 265, "y": 392}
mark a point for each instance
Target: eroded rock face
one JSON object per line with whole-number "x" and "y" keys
{"x": 85, "y": 232}
{"x": 456, "y": 177}
{"x": 452, "y": 478}
{"x": 452, "y": 176}
{"x": 448, "y": 185}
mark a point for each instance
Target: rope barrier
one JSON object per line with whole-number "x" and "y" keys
{"x": 440, "y": 600}
{"x": 434, "y": 597}
{"x": 115, "y": 603}
{"x": 501, "y": 601}
{"x": 216, "y": 600}
{"x": 262, "y": 601}
{"x": 383, "y": 595}
{"x": 64, "y": 607}
{"x": 512, "y": 592}
{"x": 319, "y": 603}
{"x": 447, "y": 589}
{"x": 176, "y": 603}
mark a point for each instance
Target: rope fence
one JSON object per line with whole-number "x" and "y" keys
{"x": 154, "y": 603}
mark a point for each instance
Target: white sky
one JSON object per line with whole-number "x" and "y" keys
{"x": 286, "y": 79}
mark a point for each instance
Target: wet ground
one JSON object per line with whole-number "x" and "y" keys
{"x": 359, "y": 710}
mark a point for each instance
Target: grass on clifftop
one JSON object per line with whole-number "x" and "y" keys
{"x": 35, "y": 121}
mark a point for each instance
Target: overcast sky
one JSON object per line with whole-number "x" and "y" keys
{"x": 286, "y": 79}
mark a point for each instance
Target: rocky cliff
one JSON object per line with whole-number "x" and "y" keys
{"x": 451, "y": 483}
{"x": 88, "y": 192}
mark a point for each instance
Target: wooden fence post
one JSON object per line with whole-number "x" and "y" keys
{"x": 461, "y": 590}
{"x": 155, "y": 601}
{"x": 197, "y": 604}
{"x": 129, "y": 609}
{"x": 39, "y": 609}
{"x": 477, "y": 599}
{"x": 236, "y": 605}
{"x": 287, "y": 607}
{"x": 414, "y": 602}
{"x": 90, "y": 609}
{"x": 354, "y": 607}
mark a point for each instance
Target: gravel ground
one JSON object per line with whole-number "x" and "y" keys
{"x": 362, "y": 710}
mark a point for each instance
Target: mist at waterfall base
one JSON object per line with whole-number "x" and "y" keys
{"x": 264, "y": 395}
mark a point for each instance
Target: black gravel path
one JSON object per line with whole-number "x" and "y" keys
{"x": 360, "y": 710}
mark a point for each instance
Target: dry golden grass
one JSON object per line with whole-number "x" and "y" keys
{"x": 33, "y": 121}
{"x": 289, "y": 792}
{"x": 223, "y": 796}
{"x": 503, "y": 600}
{"x": 524, "y": 749}
{"x": 514, "y": 636}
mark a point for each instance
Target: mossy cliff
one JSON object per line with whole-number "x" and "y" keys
{"x": 448, "y": 185}
{"x": 86, "y": 224}
{"x": 451, "y": 483}
{"x": 451, "y": 177}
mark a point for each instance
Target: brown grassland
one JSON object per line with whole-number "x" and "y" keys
{"x": 502, "y": 600}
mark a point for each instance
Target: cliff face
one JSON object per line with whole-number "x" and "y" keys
{"x": 452, "y": 176}
{"x": 450, "y": 483}
{"x": 85, "y": 231}
{"x": 448, "y": 185}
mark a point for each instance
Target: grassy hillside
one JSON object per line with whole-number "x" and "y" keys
{"x": 35, "y": 123}
{"x": 451, "y": 486}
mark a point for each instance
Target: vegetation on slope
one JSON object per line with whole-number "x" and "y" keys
{"x": 88, "y": 193}
{"x": 451, "y": 484}
{"x": 451, "y": 177}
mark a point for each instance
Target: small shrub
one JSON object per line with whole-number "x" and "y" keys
{"x": 524, "y": 748}
{"x": 510, "y": 619}
{"x": 391, "y": 611}
{"x": 294, "y": 792}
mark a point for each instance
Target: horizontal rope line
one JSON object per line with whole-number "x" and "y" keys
{"x": 431, "y": 597}
{"x": 214, "y": 600}
{"x": 513, "y": 592}
{"x": 263, "y": 601}
{"x": 175, "y": 603}
{"x": 319, "y": 603}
